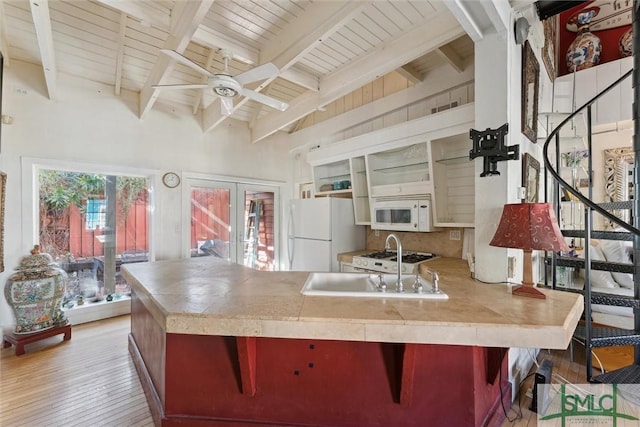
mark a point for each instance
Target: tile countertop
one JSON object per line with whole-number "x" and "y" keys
{"x": 211, "y": 296}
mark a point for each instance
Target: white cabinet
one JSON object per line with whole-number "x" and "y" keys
{"x": 574, "y": 90}
{"x": 397, "y": 171}
{"x": 345, "y": 178}
{"x": 360, "y": 191}
{"x": 332, "y": 179}
{"x": 347, "y": 267}
{"x": 453, "y": 181}
{"x": 608, "y": 106}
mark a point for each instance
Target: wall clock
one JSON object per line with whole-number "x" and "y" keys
{"x": 171, "y": 179}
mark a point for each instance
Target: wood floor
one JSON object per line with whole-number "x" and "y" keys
{"x": 87, "y": 381}
{"x": 91, "y": 381}
{"x": 563, "y": 371}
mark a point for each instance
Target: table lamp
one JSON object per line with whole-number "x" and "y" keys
{"x": 529, "y": 226}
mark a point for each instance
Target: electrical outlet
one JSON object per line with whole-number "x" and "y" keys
{"x": 376, "y": 233}
{"x": 511, "y": 267}
{"x": 454, "y": 235}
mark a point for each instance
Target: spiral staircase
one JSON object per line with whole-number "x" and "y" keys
{"x": 596, "y": 336}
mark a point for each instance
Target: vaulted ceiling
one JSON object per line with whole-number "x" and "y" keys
{"x": 322, "y": 49}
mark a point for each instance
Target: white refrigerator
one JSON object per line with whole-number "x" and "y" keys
{"x": 318, "y": 230}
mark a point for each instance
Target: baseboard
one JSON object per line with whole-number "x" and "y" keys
{"x": 520, "y": 364}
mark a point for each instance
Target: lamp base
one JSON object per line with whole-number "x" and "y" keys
{"x": 528, "y": 290}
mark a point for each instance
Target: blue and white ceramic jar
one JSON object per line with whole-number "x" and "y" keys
{"x": 584, "y": 51}
{"x": 35, "y": 293}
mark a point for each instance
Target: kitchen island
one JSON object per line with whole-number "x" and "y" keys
{"x": 217, "y": 343}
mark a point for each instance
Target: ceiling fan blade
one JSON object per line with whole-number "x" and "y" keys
{"x": 226, "y": 105}
{"x": 266, "y": 100}
{"x": 261, "y": 72}
{"x": 185, "y": 86}
{"x": 186, "y": 61}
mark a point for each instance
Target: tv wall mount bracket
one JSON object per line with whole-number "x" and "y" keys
{"x": 489, "y": 144}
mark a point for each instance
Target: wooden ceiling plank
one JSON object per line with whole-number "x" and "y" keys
{"x": 4, "y": 46}
{"x": 451, "y": 57}
{"x": 120, "y": 57}
{"x": 241, "y": 51}
{"x": 293, "y": 42}
{"x": 179, "y": 37}
{"x": 301, "y": 78}
{"x": 203, "y": 79}
{"x": 439, "y": 79}
{"x": 440, "y": 30}
{"x": 410, "y": 73}
{"x": 137, "y": 9}
{"x": 42, "y": 24}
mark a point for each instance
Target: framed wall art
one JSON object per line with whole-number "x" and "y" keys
{"x": 529, "y": 106}
{"x": 530, "y": 178}
{"x": 550, "y": 26}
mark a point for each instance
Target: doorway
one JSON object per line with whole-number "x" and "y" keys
{"x": 232, "y": 220}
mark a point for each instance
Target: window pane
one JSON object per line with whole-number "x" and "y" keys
{"x": 96, "y": 212}
{"x": 259, "y": 250}
{"x": 210, "y": 216}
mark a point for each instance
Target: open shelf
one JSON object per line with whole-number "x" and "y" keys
{"x": 461, "y": 160}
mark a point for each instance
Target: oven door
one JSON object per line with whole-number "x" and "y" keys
{"x": 401, "y": 215}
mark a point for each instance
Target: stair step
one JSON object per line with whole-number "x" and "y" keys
{"x": 614, "y": 300}
{"x": 602, "y": 235}
{"x": 607, "y": 299}
{"x": 615, "y": 267}
{"x": 608, "y": 337}
{"x": 626, "y": 375}
{"x": 611, "y": 206}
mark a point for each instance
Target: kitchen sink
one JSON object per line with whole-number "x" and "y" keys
{"x": 366, "y": 285}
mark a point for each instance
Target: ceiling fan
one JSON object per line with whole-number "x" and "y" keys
{"x": 227, "y": 86}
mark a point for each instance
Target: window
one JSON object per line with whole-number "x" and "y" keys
{"x": 91, "y": 224}
{"x": 96, "y": 214}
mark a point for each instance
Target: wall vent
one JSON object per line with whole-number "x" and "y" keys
{"x": 444, "y": 107}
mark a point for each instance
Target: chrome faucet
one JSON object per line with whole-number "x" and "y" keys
{"x": 399, "y": 286}
{"x": 436, "y": 279}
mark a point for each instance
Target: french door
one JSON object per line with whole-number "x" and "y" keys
{"x": 231, "y": 220}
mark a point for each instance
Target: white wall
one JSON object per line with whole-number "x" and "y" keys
{"x": 86, "y": 123}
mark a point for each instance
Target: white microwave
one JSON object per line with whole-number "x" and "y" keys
{"x": 401, "y": 214}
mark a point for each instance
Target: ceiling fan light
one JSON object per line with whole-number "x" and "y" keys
{"x": 227, "y": 92}
{"x": 225, "y": 86}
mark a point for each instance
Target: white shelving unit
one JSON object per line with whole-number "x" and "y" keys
{"x": 332, "y": 179}
{"x": 360, "y": 191}
{"x": 454, "y": 182}
{"x": 404, "y": 170}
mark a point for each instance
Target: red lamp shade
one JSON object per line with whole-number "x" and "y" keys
{"x": 529, "y": 226}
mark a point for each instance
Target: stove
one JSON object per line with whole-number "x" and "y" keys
{"x": 387, "y": 261}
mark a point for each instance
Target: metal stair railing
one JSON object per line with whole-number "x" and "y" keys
{"x": 594, "y": 337}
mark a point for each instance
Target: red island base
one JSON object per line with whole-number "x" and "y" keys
{"x": 198, "y": 380}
